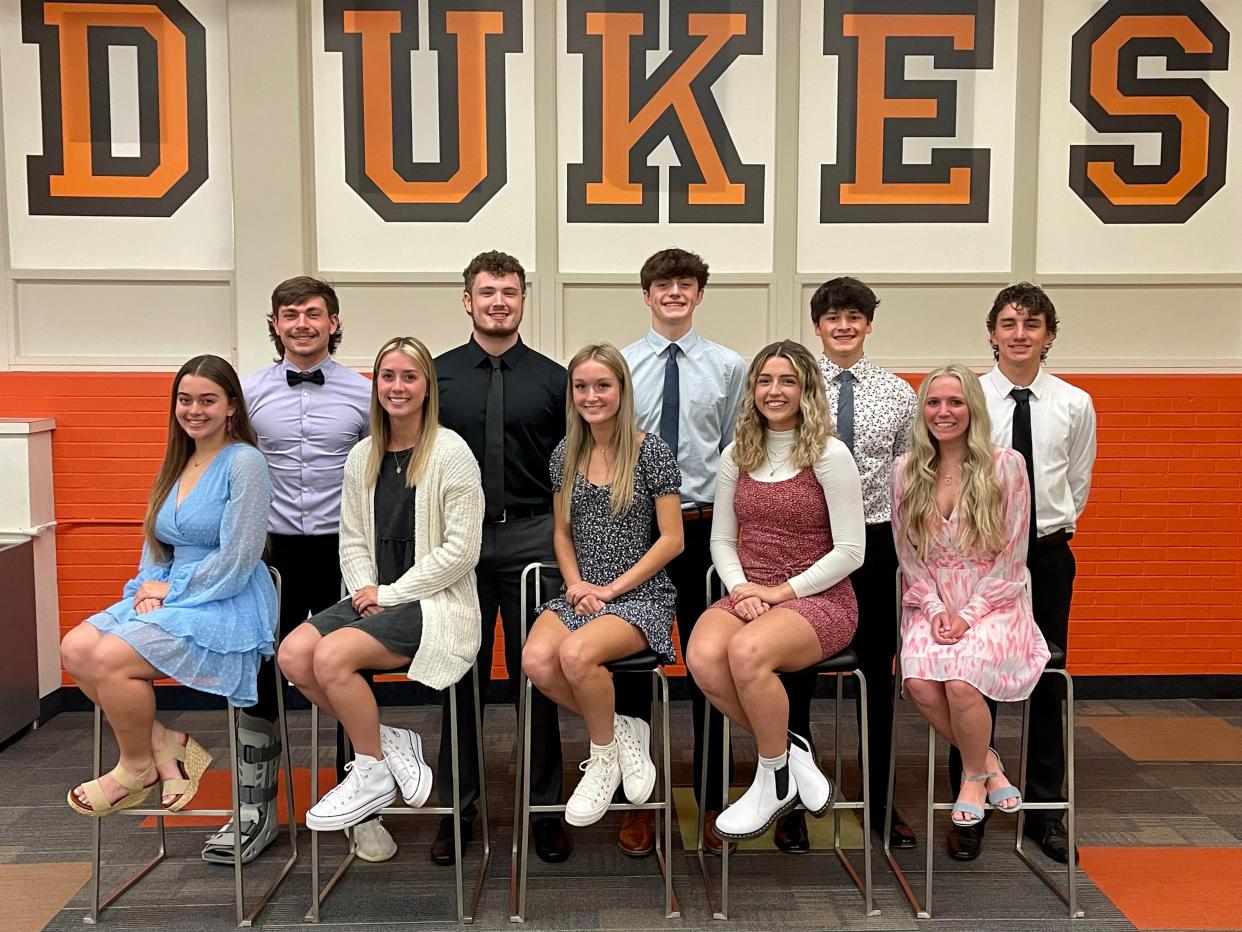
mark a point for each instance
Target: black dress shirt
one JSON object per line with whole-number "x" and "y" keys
{"x": 534, "y": 414}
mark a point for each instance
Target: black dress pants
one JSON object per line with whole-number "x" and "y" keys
{"x": 688, "y": 573}
{"x": 507, "y": 549}
{"x": 1052, "y": 567}
{"x": 875, "y": 643}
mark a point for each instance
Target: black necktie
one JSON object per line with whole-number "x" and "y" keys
{"x": 297, "y": 378}
{"x": 670, "y": 407}
{"x": 1023, "y": 443}
{"x": 845, "y": 409}
{"x": 494, "y": 445}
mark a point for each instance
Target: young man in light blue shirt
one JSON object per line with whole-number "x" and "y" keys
{"x": 686, "y": 390}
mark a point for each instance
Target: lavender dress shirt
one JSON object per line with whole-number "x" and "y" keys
{"x": 306, "y": 431}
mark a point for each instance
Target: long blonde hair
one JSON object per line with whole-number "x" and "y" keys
{"x": 814, "y": 422}
{"x": 579, "y": 443}
{"x": 180, "y": 446}
{"x": 381, "y": 430}
{"x": 980, "y": 500}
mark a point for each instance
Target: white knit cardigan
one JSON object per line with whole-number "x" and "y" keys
{"x": 448, "y": 530}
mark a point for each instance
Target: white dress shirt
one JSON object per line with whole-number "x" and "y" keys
{"x": 1062, "y": 438}
{"x": 883, "y": 416}
{"x": 838, "y": 477}
{"x": 711, "y": 379}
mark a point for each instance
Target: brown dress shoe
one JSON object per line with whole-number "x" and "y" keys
{"x": 712, "y": 843}
{"x": 636, "y": 836}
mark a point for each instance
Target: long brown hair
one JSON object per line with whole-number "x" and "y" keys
{"x": 381, "y": 428}
{"x": 180, "y": 446}
{"x": 979, "y": 500}
{"x": 579, "y": 442}
{"x": 814, "y": 422}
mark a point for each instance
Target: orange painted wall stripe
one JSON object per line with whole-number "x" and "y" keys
{"x": 1159, "y": 552}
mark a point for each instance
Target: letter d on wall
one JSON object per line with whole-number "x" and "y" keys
{"x": 77, "y": 174}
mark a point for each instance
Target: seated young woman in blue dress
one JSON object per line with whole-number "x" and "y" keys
{"x": 612, "y": 482}
{"x": 202, "y": 608}
{"x": 411, "y": 527}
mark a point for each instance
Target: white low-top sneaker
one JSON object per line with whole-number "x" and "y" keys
{"x": 403, "y": 750}
{"x": 372, "y": 841}
{"x": 601, "y": 774}
{"x": 761, "y": 805}
{"x": 814, "y": 789}
{"x": 638, "y": 773}
{"x": 367, "y": 788}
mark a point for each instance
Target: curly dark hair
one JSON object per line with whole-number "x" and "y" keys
{"x": 1032, "y": 299}
{"x": 843, "y": 294}
{"x": 494, "y": 263}
{"x": 299, "y": 290}
{"x": 673, "y": 263}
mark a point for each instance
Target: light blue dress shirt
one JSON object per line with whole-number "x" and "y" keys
{"x": 305, "y": 432}
{"x": 711, "y": 379}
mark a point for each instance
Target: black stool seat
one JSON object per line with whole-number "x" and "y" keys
{"x": 844, "y": 662}
{"x": 643, "y": 662}
{"x": 1057, "y": 660}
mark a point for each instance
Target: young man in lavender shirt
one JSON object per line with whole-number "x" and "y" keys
{"x": 308, "y": 412}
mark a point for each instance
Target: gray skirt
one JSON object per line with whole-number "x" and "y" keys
{"x": 398, "y": 627}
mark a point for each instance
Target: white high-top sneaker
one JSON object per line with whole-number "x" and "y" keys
{"x": 593, "y": 794}
{"x": 403, "y": 750}
{"x": 814, "y": 789}
{"x": 367, "y": 788}
{"x": 771, "y": 795}
{"x": 638, "y": 773}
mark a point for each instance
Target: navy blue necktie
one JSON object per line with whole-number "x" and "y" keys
{"x": 845, "y": 409}
{"x": 670, "y": 407}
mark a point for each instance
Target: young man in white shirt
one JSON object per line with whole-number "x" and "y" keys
{"x": 1030, "y": 407}
{"x": 873, "y": 410}
{"x": 699, "y": 384}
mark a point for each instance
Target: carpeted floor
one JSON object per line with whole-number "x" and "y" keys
{"x": 1159, "y": 820}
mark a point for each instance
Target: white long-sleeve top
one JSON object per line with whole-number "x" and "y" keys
{"x": 838, "y": 477}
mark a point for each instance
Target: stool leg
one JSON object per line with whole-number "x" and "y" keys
{"x": 457, "y": 852}
{"x": 1071, "y": 867}
{"x": 865, "y": 749}
{"x": 931, "y": 816}
{"x": 97, "y": 769}
{"x": 487, "y": 837}
{"x": 672, "y": 909}
{"x": 290, "y": 804}
{"x": 519, "y": 757}
{"x": 313, "y": 915}
{"x": 524, "y": 850}
{"x": 724, "y": 802}
{"x": 239, "y": 892}
{"x": 836, "y": 770}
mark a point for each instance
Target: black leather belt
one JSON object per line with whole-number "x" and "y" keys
{"x": 1063, "y": 536}
{"x": 517, "y": 514}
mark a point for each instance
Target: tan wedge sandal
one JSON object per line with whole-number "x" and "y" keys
{"x": 135, "y": 783}
{"x": 194, "y": 760}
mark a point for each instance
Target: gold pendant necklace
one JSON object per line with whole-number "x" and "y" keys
{"x": 397, "y": 459}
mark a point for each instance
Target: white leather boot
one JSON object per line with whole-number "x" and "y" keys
{"x": 773, "y": 793}
{"x": 814, "y": 789}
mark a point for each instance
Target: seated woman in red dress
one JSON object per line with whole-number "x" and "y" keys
{"x": 787, "y": 532}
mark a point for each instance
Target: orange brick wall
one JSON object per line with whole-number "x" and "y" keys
{"x": 1159, "y": 552}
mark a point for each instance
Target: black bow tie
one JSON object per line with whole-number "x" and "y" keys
{"x": 295, "y": 378}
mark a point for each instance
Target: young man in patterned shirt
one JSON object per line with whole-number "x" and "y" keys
{"x": 873, "y": 411}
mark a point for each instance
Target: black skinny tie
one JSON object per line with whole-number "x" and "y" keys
{"x": 1023, "y": 442}
{"x": 494, "y": 448}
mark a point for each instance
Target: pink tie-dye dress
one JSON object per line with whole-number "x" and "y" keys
{"x": 1003, "y": 653}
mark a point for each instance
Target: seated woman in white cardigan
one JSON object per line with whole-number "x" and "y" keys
{"x": 411, "y": 526}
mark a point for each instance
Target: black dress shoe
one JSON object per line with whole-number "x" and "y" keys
{"x": 901, "y": 836}
{"x": 965, "y": 841}
{"x": 790, "y": 833}
{"x": 1052, "y": 840}
{"x": 552, "y": 842}
{"x": 442, "y": 847}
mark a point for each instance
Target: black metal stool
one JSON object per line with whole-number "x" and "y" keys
{"x": 839, "y": 665}
{"x": 239, "y": 893}
{"x": 643, "y": 662}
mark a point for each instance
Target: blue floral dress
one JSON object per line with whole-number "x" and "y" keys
{"x": 607, "y": 546}
{"x": 219, "y": 616}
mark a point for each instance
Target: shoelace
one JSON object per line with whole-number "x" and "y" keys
{"x": 595, "y": 776}
{"x": 348, "y": 787}
{"x": 630, "y": 750}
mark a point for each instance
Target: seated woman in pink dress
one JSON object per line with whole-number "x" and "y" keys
{"x": 960, "y": 514}
{"x": 786, "y": 534}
